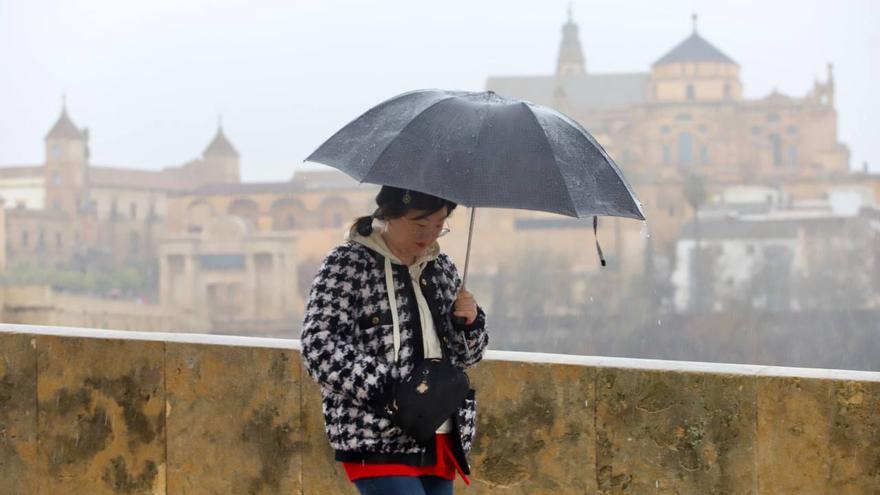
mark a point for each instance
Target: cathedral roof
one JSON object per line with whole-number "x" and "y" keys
{"x": 131, "y": 178}
{"x": 21, "y": 171}
{"x": 220, "y": 146}
{"x": 694, "y": 49}
{"x": 244, "y": 188}
{"x": 584, "y": 91}
{"x": 64, "y": 128}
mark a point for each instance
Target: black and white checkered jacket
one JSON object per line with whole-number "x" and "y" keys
{"x": 347, "y": 346}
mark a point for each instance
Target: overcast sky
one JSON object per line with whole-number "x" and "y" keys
{"x": 150, "y": 77}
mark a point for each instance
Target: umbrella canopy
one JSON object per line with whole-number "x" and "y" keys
{"x": 480, "y": 149}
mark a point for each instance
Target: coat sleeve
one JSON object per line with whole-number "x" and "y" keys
{"x": 469, "y": 342}
{"x": 328, "y": 351}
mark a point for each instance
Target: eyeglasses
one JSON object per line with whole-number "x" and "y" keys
{"x": 428, "y": 230}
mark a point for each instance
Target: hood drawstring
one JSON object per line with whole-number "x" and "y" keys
{"x": 392, "y": 302}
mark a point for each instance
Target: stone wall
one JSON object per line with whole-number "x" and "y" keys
{"x": 107, "y": 412}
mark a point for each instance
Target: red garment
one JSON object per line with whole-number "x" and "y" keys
{"x": 445, "y": 468}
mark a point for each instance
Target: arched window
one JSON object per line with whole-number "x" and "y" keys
{"x": 333, "y": 210}
{"x": 727, "y": 95}
{"x": 198, "y": 213}
{"x": 685, "y": 148}
{"x": 246, "y": 209}
{"x": 288, "y": 214}
{"x": 689, "y": 92}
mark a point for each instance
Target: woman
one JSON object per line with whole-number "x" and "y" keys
{"x": 391, "y": 259}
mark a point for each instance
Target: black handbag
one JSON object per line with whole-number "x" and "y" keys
{"x": 427, "y": 397}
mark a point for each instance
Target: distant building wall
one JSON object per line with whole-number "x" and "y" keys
{"x": 40, "y": 305}
{"x": 24, "y": 192}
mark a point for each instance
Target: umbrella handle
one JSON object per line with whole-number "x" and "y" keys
{"x": 467, "y": 258}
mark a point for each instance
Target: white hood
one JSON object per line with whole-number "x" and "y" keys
{"x": 376, "y": 242}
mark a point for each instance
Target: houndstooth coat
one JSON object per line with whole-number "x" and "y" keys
{"x": 347, "y": 346}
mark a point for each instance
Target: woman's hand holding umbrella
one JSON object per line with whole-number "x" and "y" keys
{"x": 465, "y": 307}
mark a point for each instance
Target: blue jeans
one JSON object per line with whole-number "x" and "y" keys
{"x": 404, "y": 485}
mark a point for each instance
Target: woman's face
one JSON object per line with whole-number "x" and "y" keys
{"x": 411, "y": 235}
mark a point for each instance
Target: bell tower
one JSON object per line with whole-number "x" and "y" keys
{"x": 571, "y": 57}
{"x": 67, "y": 163}
{"x": 221, "y": 159}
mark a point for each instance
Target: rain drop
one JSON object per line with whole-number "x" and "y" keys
{"x": 645, "y": 231}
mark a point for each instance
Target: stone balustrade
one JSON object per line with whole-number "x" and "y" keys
{"x": 109, "y": 412}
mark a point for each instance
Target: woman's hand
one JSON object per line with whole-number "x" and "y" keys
{"x": 465, "y": 306}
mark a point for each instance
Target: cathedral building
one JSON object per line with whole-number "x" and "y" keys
{"x": 687, "y": 115}
{"x": 68, "y": 207}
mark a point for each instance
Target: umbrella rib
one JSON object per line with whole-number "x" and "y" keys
{"x": 550, "y": 147}
{"x": 614, "y": 166}
{"x": 408, "y": 124}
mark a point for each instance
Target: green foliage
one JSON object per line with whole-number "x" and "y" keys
{"x": 694, "y": 190}
{"x": 134, "y": 279}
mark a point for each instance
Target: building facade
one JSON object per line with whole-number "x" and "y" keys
{"x": 687, "y": 115}
{"x": 69, "y": 208}
{"x": 239, "y": 257}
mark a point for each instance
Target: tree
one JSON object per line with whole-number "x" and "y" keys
{"x": 694, "y": 189}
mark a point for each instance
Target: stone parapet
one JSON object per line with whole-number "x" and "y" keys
{"x": 110, "y": 412}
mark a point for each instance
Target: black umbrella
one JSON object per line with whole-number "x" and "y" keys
{"x": 482, "y": 150}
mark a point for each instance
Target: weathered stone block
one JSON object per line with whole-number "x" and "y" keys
{"x": 101, "y": 423}
{"x": 818, "y": 436}
{"x": 233, "y": 419}
{"x": 18, "y": 414}
{"x": 322, "y": 474}
{"x": 659, "y": 432}
{"x": 535, "y": 428}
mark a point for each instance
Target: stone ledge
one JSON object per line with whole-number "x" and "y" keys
{"x": 104, "y": 412}
{"x": 526, "y": 357}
